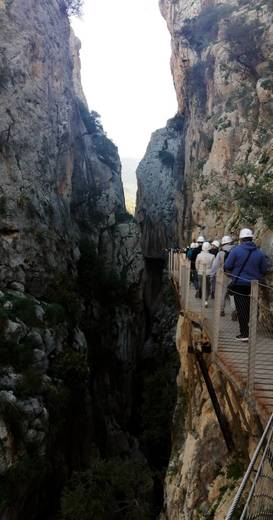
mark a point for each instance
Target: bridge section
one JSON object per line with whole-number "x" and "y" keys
{"x": 248, "y": 364}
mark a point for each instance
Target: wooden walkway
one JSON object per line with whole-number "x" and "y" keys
{"x": 232, "y": 355}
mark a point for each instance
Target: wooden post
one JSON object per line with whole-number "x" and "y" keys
{"x": 253, "y": 318}
{"x": 220, "y": 416}
{"x": 217, "y": 309}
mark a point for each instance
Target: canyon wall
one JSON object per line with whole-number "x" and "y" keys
{"x": 72, "y": 319}
{"x": 211, "y": 174}
{"x": 222, "y": 69}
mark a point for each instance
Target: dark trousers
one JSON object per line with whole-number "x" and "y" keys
{"x": 242, "y": 304}
{"x": 194, "y": 278}
{"x": 200, "y": 281}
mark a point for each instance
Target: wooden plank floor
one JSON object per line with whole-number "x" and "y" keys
{"x": 232, "y": 354}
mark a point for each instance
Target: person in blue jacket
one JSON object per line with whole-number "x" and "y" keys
{"x": 245, "y": 263}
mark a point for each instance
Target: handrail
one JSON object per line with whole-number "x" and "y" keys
{"x": 249, "y": 471}
{"x": 260, "y": 327}
{"x": 260, "y": 332}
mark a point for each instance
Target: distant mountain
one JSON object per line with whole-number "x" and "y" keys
{"x": 129, "y": 166}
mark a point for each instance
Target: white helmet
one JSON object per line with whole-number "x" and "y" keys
{"x": 193, "y": 245}
{"x": 215, "y": 243}
{"x": 200, "y": 239}
{"x": 226, "y": 240}
{"x": 206, "y": 246}
{"x": 246, "y": 233}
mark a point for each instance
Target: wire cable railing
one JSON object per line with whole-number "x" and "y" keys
{"x": 258, "y": 502}
{"x": 238, "y": 319}
{"x": 239, "y": 323}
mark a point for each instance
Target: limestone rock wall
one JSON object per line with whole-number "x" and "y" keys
{"x": 222, "y": 69}
{"x": 161, "y": 195}
{"x": 57, "y": 167}
{"x": 71, "y": 310}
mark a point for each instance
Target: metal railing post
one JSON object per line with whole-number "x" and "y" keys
{"x": 217, "y": 309}
{"x": 203, "y": 292}
{"x": 253, "y": 318}
{"x": 181, "y": 281}
{"x": 187, "y": 284}
{"x": 175, "y": 266}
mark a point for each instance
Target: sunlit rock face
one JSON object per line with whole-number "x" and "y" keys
{"x": 56, "y": 168}
{"x": 222, "y": 69}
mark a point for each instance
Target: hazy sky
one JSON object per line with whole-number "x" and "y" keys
{"x": 125, "y": 69}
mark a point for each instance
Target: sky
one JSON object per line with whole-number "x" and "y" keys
{"x": 126, "y": 74}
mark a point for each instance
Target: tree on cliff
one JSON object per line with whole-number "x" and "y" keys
{"x": 72, "y": 7}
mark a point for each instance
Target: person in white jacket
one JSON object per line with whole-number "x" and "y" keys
{"x": 203, "y": 264}
{"x": 226, "y": 246}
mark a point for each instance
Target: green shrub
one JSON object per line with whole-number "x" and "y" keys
{"x": 107, "y": 151}
{"x": 109, "y": 489}
{"x": 252, "y": 193}
{"x": 91, "y": 119}
{"x": 244, "y": 39}
{"x": 237, "y": 467}
{"x": 202, "y": 30}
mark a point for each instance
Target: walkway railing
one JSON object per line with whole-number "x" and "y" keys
{"x": 258, "y": 502}
{"x": 219, "y": 317}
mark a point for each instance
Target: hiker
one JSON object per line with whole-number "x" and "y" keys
{"x": 194, "y": 276}
{"x": 195, "y": 253}
{"x": 215, "y": 246}
{"x": 226, "y": 246}
{"x": 203, "y": 264}
{"x": 244, "y": 263}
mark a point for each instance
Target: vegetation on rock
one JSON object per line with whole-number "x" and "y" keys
{"x": 109, "y": 489}
{"x": 249, "y": 188}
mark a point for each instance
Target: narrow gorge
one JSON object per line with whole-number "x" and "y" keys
{"x": 95, "y": 421}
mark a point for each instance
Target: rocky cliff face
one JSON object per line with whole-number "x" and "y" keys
{"x": 70, "y": 271}
{"x": 57, "y": 166}
{"x": 161, "y": 196}
{"x": 203, "y": 475}
{"x": 222, "y": 69}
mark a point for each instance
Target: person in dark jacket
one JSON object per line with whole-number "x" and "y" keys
{"x": 194, "y": 277}
{"x": 245, "y": 263}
